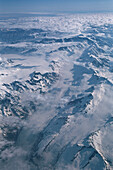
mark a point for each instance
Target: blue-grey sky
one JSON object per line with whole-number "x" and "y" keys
{"x": 55, "y": 5}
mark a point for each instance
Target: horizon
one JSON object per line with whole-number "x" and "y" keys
{"x": 56, "y": 12}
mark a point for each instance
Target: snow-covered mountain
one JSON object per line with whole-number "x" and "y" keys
{"x": 56, "y": 92}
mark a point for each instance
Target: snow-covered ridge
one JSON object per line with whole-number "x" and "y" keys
{"x": 56, "y": 92}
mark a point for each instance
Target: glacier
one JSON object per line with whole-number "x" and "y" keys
{"x": 56, "y": 91}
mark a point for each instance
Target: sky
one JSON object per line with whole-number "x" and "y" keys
{"x": 55, "y": 5}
